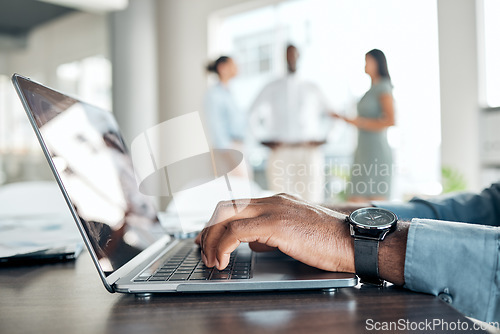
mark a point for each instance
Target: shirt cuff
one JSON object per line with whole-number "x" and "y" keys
{"x": 458, "y": 261}
{"x": 408, "y": 211}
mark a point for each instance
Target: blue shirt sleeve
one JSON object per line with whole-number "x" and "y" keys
{"x": 408, "y": 211}
{"x": 483, "y": 208}
{"x": 457, "y": 260}
{"x": 452, "y": 251}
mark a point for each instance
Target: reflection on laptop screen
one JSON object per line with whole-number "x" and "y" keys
{"x": 95, "y": 168}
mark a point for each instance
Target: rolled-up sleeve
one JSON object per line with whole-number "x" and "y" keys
{"x": 458, "y": 262}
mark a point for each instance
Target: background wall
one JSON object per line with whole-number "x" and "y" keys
{"x": 70, "y": 38}
{"x": 134, "y": 45}
{"x": 458, "y": 62}
{"x": 3, "y": 63}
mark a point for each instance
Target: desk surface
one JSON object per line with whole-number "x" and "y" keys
{"x": 70, "y": 298}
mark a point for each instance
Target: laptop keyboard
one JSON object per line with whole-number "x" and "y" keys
{"x": 186, "y": 265}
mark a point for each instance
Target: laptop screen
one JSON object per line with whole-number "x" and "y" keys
{"x": 95, "y": 168}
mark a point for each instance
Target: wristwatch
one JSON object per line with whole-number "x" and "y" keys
{"x": 368, "y": 227}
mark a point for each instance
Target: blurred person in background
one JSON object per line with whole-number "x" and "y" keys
{"x": 293, "y": 113}
{"x": 371, "y": 173}
{"x": 224, "y": 120}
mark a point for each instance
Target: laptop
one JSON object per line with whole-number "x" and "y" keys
{"x": 119, "y": 225}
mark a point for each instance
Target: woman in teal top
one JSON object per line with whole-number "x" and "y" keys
{"x": 371, "y": 172}
{"x": 225, "y": 122}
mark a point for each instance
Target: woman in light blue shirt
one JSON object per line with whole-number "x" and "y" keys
{"x": 223, "y": 117}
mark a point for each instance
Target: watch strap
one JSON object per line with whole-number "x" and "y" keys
{"x": 366, "y": 260}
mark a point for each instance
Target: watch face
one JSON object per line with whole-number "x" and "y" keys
{"x": 373, "y": 218}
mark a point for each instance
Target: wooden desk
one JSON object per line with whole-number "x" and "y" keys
{"x": 70, "y": 298}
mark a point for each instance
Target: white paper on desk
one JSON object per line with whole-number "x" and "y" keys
{"x": 34, "y": 217}
{"x": 30, "y": 234}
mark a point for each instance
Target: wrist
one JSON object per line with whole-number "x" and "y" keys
{"x": 359, "y": 122}
{"x": 392, "y": 255}
{"x": 350, "y": 264}
{"x": 347, "y": 263}
{"x": 349, "y": 207}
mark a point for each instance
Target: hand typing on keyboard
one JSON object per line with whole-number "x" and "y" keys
{"x": 310, "y": 233}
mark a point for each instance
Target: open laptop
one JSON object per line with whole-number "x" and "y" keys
{"x": 119, "y": 225}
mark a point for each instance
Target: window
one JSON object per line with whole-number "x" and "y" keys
{"x": 89, "y": 79}
{"x": 254, "y": 54}
{"x": 491, "y": 52}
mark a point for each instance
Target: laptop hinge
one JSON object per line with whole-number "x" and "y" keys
{"x": 146, "y": 255}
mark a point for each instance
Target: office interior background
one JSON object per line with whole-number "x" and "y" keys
{"x": 144, "y": 60}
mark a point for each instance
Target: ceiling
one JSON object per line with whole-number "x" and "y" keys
{"x": 92, "y": 5}
{"x": 18, "y": 17}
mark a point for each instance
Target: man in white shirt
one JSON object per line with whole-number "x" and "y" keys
{"x": 294, "y": 117}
